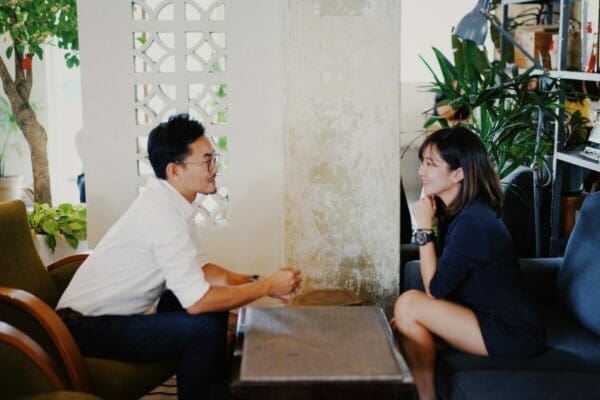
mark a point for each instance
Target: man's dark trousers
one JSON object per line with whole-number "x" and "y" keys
{"x": 197, "y": 341}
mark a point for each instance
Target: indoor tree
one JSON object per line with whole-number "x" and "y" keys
{"x": 28, "y": 25}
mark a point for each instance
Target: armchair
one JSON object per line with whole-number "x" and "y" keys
{"x": 28, "y": 295}
{"x": 27, "y": 370}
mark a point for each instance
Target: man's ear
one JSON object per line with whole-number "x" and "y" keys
{"x": 458, "y": 175}
{"x": 172, "y": 171}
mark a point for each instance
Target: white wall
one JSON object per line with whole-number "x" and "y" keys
{"x": 253, "y": 240}
{"x": 64, "y": 116}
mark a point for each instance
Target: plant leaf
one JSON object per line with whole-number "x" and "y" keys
{"x": 50, "y": 242}
{"x": 73, "y": 242}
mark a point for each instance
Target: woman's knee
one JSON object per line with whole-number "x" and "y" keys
{"x": 407, "y": 306}
{"x": 407, "y": 301}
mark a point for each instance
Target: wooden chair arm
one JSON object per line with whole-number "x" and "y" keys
{"x": 29, "y": 348}
{"x": 57, "y": 331}
{"x": 80, "y": 257}
{"x": 63, "y": 270}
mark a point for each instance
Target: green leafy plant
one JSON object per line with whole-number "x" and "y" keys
{"x": 502, "y": 105}
{"x": 577, "y": 131}
{"x": 67, "y": 220}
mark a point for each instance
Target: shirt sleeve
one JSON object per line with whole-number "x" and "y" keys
{"x": 177, "y": 255}
{"x": 467, "y": 247}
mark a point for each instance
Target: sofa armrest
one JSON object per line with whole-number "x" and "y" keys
{"x": 408, "y": 252}
{"x": 20, "y": 351}
{"x": 63, "y": 270}
{"x": 412, "y": 277}
{"x": 538, "y": 277}
{"x": 55, "y": 329}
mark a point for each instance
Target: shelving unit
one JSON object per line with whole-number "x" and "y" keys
{"x": 564, "y": 158}
{"x": 561, "y": 158}
{"x": 574, "y": 158}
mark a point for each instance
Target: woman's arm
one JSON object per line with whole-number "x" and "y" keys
{"x": 428, "y": 264}
{"x": 466, "y": 247}
{"x": 424, "y": 212}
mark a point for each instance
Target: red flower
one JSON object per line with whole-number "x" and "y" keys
{"x": 27, "y": 63}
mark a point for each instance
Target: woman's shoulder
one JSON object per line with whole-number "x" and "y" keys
{"x": 478, "y": 208}
{"x": 476, "y": 214}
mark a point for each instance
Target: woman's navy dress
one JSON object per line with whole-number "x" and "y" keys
{"x": 477, "y": 267}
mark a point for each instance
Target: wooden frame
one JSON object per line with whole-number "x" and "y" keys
{"x": 29, "y": 348}
{"x": 68, "y": 260}
{"x": 57, "y": 331}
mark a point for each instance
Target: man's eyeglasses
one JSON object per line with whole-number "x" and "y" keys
{"x": 211, "y": 161}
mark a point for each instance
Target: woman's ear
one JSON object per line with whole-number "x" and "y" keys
{"x": 458, "y": 175}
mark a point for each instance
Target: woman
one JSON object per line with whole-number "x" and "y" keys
{"x": 472, "y": 299}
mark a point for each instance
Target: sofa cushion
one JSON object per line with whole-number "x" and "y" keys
{"x": 525, "y": 385}
{"x": 518, "y": 211}
{"x": 538, "y": 279}
{"x": 569, "y": 347}
{"x": 123, "y": 380}
{"x": 579, "y": 277}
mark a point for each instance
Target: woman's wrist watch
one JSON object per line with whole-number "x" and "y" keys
{"x": 424, "y": 236}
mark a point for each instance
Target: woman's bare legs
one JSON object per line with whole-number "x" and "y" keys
{"x": 418, "y": 318}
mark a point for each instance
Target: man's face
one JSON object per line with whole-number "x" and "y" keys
{"x": 197, "y": 172}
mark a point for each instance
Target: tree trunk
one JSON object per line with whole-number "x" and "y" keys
{"x": 18, "y": 91}
{"x": 36, "y": 137}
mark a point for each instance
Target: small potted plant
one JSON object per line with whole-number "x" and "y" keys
{"x": 58, "y": 231}
{"x": 10, "y": 186}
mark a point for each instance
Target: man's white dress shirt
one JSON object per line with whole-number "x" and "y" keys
{"x": 153, "y": 246}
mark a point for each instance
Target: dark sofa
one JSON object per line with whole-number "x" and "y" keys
{"x": 567, "y": 293}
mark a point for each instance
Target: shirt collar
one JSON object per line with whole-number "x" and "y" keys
{"x": 163, "y": 188}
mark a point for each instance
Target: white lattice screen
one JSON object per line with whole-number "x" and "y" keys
{"x": 221, "y": 62}
{"x": 179, "y": 62}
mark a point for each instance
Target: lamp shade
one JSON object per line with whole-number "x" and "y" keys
{"x": 474, "y": 25}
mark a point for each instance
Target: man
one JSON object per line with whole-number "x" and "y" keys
{"x": 109, "y": 306}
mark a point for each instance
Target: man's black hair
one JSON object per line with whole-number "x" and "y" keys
{"x": 169, "y": 142}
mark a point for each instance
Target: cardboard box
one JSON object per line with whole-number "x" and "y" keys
{"x": 573, "y": 61}
{"x": 536, "y": 41}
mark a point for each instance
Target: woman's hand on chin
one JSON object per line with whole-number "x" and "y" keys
{"x": 424, "y": 212}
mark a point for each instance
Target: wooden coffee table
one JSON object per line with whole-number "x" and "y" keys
{"x": 317, "y": 353}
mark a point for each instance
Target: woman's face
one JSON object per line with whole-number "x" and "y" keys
{"x": 437, "y": 178}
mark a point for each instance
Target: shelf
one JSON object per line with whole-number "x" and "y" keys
{"x": 573, "y": 158}
{"x": 508, "y": 2}
{"x": 580, "y": 76}
{"x": 576, "y": 75}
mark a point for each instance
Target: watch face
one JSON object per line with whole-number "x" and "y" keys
{"x": 422, "y": 237}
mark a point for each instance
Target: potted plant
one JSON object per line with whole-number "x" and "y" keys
{"x": 501, "y": 105}
{"x": 58, "y": 231}
{"x": 10, "y": 186}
